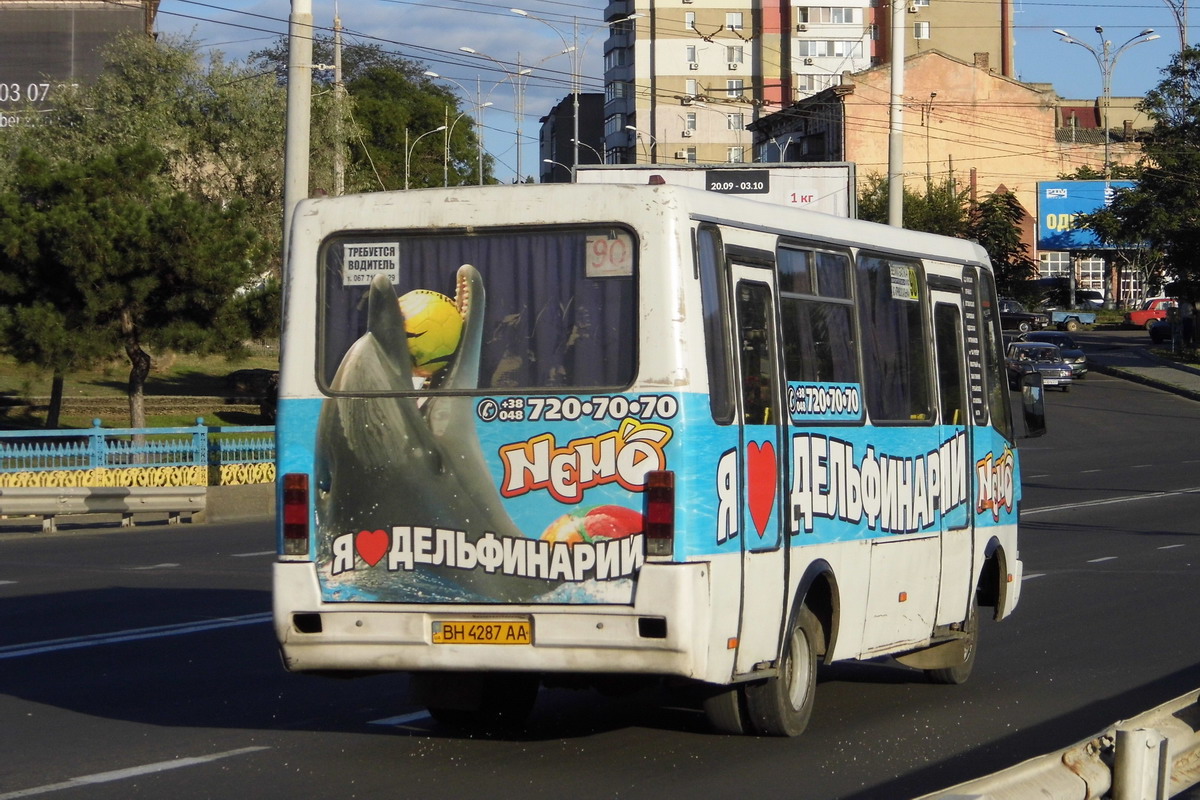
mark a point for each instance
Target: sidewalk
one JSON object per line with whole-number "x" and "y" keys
{"x": 1140, "y": 365}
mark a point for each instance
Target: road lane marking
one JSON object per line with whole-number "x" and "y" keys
{"x": 128, "y": 772}
{"x": 136, "y": 634}
{"x": 253, "y": 555}
{"x": 1112, "y": 500}
{"x": 1032, "y": 575}
{"x": 403, "y": 719}
{"x": 1170, "y": 546}
{"x": 1098, "y": 560}
{"x": 152, "y": 566}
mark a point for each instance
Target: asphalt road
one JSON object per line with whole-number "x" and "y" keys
{"x": 141, "y": 663}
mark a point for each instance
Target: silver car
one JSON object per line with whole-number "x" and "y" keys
{"x": 1024, "y": 357}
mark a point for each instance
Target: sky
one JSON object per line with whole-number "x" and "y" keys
{"x": 432, "y": 32}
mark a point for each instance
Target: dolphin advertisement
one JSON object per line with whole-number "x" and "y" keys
{"x": 428, "y": 490}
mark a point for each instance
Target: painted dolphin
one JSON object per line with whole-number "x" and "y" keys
{"x": 383, "y": 460}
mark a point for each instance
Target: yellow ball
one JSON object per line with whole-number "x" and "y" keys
{"x": 434, "y": 327}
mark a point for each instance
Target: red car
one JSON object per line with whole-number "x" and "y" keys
{"x": 1151, "y": 310}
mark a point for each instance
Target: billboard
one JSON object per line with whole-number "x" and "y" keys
{"x": 45, "y": 46}
{"x": 1060, "y": 202}
{"x": 825, "y": 186}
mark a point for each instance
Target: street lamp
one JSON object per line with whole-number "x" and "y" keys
{"x": 552, "y": 162}
{"x": 518, "y": 90}
{"x": 479, "y": 107}
{"x": 653, "y": 141}
{"x": 576, "y": 51}
{"x": 446, "y": 147}
{"x": 409, "y": 150}
{"x": 1106, "y": 59}
{"x": 599, "y": 155}
{"x": 728, "y": 124}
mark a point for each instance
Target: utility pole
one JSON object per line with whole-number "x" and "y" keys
{"x": 299, "y": 113}
{"x": 339, "y": 96}
{"x": 896, "y": 119}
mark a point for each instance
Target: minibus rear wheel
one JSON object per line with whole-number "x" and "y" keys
{"x": 782, "y": 704}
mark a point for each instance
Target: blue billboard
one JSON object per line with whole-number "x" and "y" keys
{"x": 1060, "y": 202}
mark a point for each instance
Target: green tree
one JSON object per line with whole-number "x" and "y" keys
{"x": 1162, "y": 212}
{"x": 220, "y": 126}
{"x": 218, "y": 137}
{"x": 941, "y": 208}
{"x": 388, "y": 100}
{"x": 103, "y": 256}
{"x": 996, "y": 224}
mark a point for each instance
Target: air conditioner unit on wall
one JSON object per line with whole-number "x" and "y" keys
{"x": 681, "y": 153}
{"x": 808, "y": 62}
{"x": 687, "y": 134}
{"x": 801, "y": 28}
{"x": 733, "y": 65}
{"x": 693, "y": 65}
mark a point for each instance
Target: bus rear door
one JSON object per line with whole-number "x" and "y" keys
{"x": 762, "y": 458}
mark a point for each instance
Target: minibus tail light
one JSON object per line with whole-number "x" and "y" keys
{"x": 660, "y": 513}
{"x": 295, "y": 514}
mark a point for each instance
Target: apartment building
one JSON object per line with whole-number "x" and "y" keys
{"x": 684, "y": 78}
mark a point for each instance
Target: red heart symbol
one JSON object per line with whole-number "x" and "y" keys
{"x": 762, "y": 473}
{"x": 371, "y": 545}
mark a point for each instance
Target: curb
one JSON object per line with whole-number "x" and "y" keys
{"x": 1145, "y": 380}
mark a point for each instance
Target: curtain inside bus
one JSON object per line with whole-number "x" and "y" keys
{"x": 559, "y": 305}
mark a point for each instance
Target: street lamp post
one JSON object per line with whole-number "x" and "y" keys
{"x": 653, "y": 142}
{"x": 1106, "y": 59}
{"x": 599, "y": 155}
{"x": 725, "y": 115}
{"x": 446, "y": 147}
{"x": 518, "y": 90}
{"x": 576, "y": 51}
{"x": 409, "y": 150}
{"x": 479, "y": 107}
{"x": 554, "y": 163}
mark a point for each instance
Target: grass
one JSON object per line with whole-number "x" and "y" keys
{"x": 180, "y": 388}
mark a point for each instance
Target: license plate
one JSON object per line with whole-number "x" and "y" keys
{"x": 482, "y": 632}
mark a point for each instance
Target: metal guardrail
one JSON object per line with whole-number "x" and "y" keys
{"x": 49, "y": 502}
{"x": 198, "y": 445}
{"x": 1152, "y": 756}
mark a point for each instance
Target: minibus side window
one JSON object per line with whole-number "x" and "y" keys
{"x": 716, "y": 325}
{"x": 994, "y": 357}
{"x": 817, "y": 316}
{"x": 895, "y": 355}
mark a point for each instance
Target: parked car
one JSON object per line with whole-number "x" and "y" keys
{"x": 1159, "y": 330}
{"x": 1150, "y": 310}
{"x": 1015, "y": 317}
{"x": 1067, "y": 348}
{"x": 1161, "y": 333}
{"x": 1089, "y": 299}
{"x": 1025, "y": 357}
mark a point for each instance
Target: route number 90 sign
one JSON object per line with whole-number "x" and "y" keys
{"x": 610, "y": 255}
{"x": 738, "y": 181}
